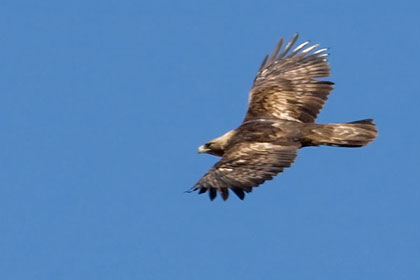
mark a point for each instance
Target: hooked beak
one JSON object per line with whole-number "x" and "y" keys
{"x": 203, "y": 149}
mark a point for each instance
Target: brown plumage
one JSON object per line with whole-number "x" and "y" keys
{"x": 283, "y": 105}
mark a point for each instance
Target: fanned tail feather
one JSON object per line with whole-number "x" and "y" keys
{"x": 351, "y": 134}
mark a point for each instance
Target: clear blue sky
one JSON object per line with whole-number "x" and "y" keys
{"x": 104, "y": 103}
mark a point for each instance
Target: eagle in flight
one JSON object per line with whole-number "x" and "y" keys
{"x": 284, "y": 102}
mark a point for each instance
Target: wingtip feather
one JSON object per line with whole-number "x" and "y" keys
{"x": 239, "y": 193}
{"x": 212, "y": 193}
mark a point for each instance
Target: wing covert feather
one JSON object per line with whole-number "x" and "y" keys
{"x": 286, "y": 87}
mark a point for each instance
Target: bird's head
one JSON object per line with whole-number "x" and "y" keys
{"x": 212, "y": 148}
{"x": 217, "y": 146}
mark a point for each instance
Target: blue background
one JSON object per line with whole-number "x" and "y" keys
{"x": 104, "y": 103}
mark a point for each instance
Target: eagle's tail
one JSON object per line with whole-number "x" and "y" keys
{"x": 351, "y": 134}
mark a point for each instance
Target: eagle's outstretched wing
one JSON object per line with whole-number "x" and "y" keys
{"x": 244, "y": 166}
{"x": 285, "y": 86}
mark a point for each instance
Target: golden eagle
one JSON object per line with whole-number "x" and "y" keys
{"x": 284, "y": 102}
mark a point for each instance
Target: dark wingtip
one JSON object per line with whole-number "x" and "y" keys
{"x": 367, "y": 121}
{"x": 190, "y": 190}
{"x": 239, "y": 192}
{"x": 224, "y": 192}
{"x": 212, "y": 193}
{"x": 202, "y": 190}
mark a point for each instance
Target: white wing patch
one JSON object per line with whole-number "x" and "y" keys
{"x": 225, "y": 169}
{"x": 261, "y": 146}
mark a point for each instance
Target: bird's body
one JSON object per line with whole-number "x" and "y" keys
{"x": 283, "y": 105}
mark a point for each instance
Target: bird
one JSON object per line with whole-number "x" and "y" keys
{"x": 284, "y": 101}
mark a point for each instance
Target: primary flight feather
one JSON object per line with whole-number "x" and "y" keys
{"x": 284, "y": 102}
